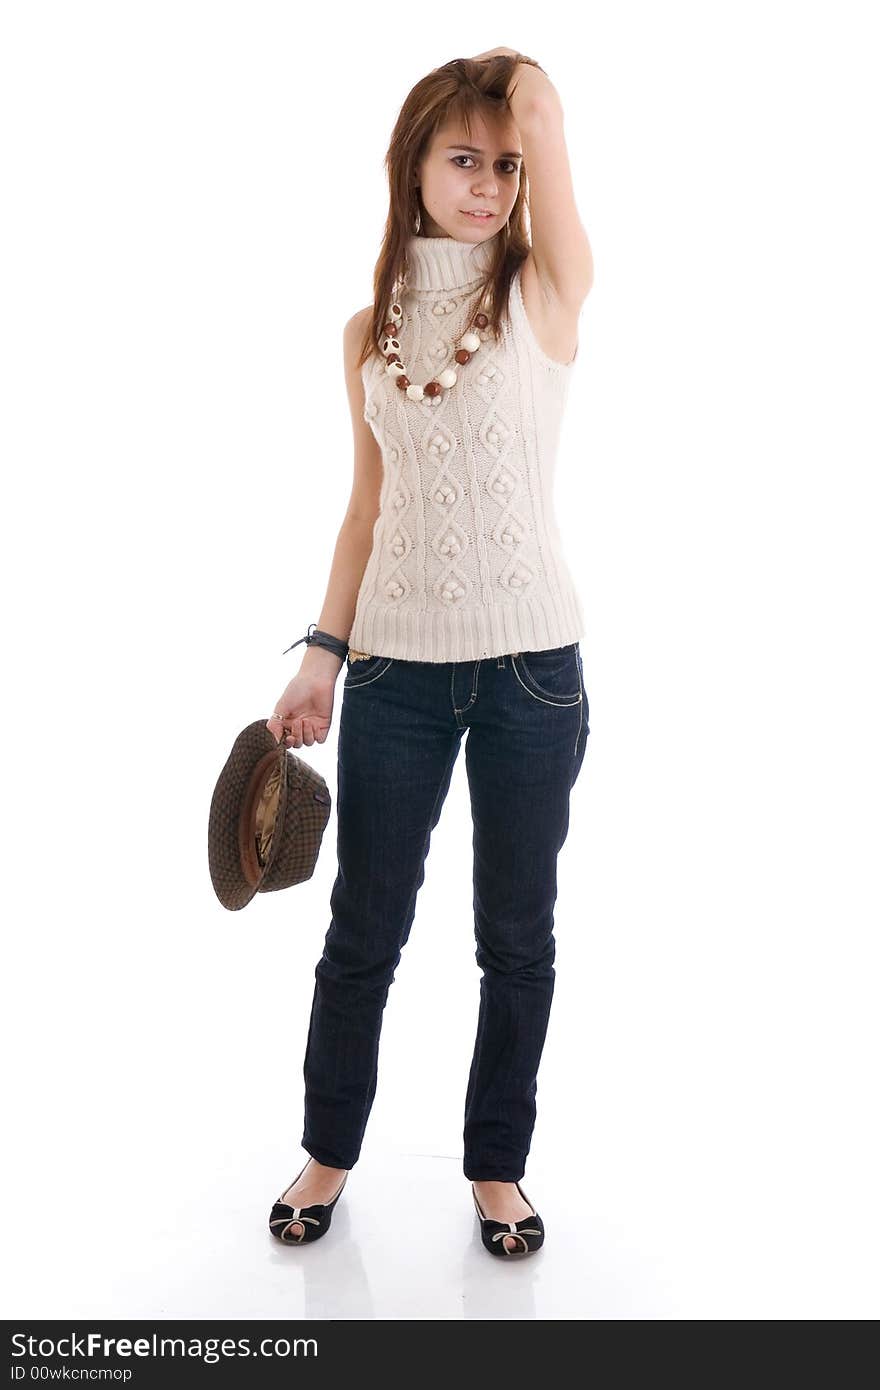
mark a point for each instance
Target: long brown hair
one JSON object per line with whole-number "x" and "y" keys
{"x": 456, "y": 91}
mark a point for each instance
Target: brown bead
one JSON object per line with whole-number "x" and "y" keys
{"x": 390, "y": 330}
{"x": 481, "y": 320}
{"x": 462, "y": 355}
{"x": 392, "y": 357}
{"x": 433, "y": 388}
{"x": 402, "y": 381}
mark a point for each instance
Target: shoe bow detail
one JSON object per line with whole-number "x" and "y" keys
{"x": 494, "y": 1233}
{"x": 288, "y": 1221}
{"x": 517, "y": 1235}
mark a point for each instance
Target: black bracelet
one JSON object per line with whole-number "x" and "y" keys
{"x": 317, "y": 638}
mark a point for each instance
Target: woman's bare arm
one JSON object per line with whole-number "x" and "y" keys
{"x": 355, "y": 539}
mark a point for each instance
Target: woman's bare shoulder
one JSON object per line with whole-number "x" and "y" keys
{"x": 353, "y": 336}
{"x": 358, "y": 322}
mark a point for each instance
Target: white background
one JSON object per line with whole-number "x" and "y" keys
{"x": 194, "y": 200}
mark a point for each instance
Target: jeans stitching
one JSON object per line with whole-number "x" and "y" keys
{"x": 349, "y": 684}
{"x": 473, "y": 694}
{"x": 582, "y": 722}
{"x": 543, "y": 699}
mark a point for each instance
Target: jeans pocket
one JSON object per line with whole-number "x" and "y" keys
{"x": 551, "y": 676}
{"x": 364, "y": 670}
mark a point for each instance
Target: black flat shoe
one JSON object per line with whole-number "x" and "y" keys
{"x": 529, "y": 1231}
{"x": 315, "y": 1220}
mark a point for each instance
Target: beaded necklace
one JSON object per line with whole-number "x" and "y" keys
{"x": 395, "y": 367}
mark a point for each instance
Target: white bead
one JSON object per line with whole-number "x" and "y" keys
{"x": 395, "y": 369}
{"x": 414, "y": 391}
{"x": 470, "y": 342}
{"x": 448, "y": 378}
{"x": 390, "y": 345}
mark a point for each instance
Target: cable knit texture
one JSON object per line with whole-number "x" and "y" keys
{"x": 467, "y": 560}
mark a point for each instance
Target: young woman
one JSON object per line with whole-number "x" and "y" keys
{"x": 451, "y": 597}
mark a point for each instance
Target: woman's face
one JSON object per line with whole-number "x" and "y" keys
{"x": 454, "y": 179}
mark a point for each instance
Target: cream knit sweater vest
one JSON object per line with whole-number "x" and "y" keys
{"x": 466, "y": 560}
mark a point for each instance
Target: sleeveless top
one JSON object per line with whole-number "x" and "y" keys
{"x": 467, "y": 560}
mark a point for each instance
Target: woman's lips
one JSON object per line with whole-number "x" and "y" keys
{"x": 479, "y": 216}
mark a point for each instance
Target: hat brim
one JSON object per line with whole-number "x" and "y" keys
{"x": 233, "y": 886}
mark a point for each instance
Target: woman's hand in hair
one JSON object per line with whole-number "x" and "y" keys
{"x": 494, "y": 53}
{"x": 505, "y": 53}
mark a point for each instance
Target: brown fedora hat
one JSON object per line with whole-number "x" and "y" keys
{"x": 268, "y": 815}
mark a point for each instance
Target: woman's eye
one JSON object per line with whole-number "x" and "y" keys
{"x": 512, "y": 166}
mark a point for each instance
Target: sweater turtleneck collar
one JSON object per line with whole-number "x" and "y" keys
{"x": 445, "y": 263}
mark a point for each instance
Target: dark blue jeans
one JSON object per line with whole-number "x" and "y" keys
{"x": 400, "y": 728}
